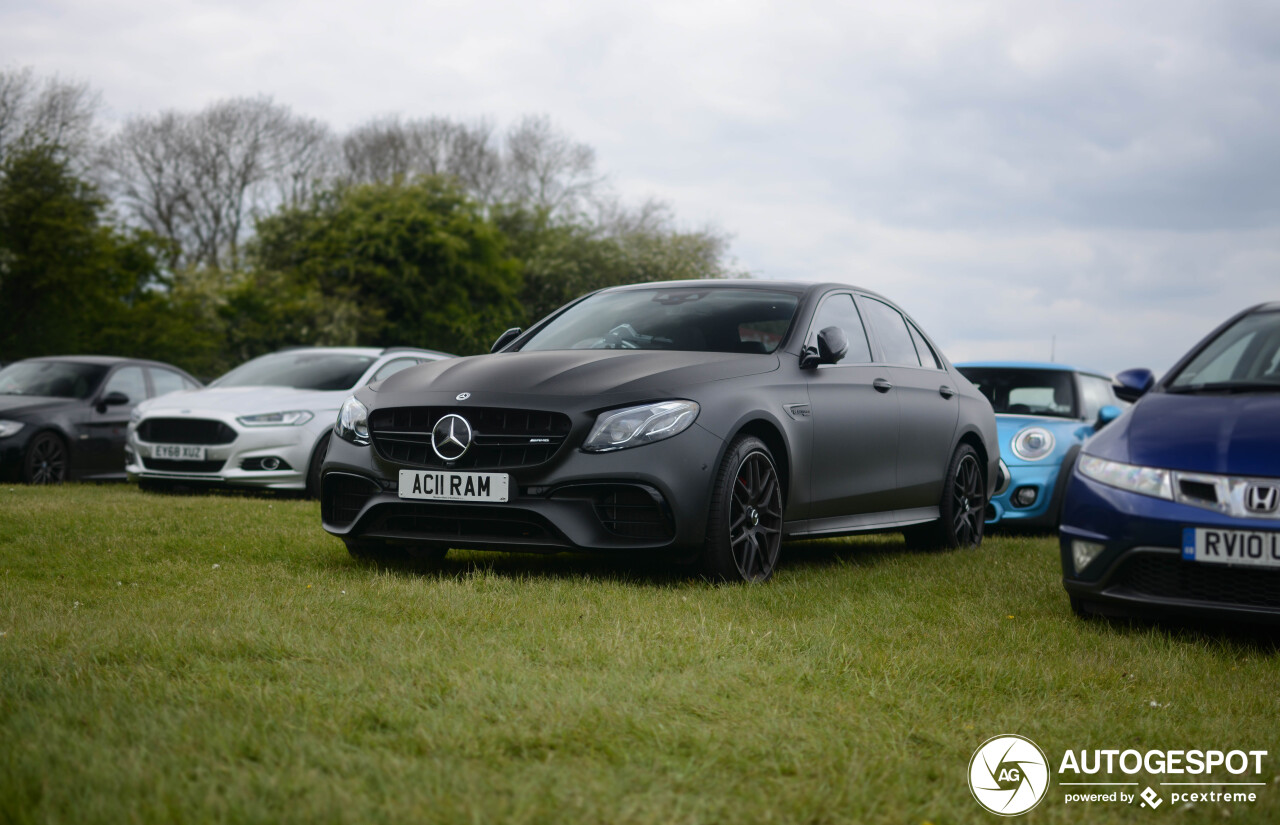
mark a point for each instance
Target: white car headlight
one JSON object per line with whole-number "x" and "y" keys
{"x": 293, "y": 418}
{"x": 1149, "y": 481}
{"x": 1033, "y": 443}
{"x": 353, "y": 422}
{"x": 8, "y": 428}
{"x": 619, "y": 429}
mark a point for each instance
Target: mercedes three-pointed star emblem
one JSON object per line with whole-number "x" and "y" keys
{"x": 451, "y": 437}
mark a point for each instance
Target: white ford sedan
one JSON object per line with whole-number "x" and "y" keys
{"x": 264, "y": 424}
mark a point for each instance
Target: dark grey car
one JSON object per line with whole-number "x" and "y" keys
{"x": 708, "y": 419}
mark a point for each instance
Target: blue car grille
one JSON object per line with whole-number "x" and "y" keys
{"x": 1170, "y": 577}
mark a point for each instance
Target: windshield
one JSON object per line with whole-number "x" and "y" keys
{"x": 1018, "y": 391}
{"x": 1245, "y": 356}
{"x": 51, "y": 379}
{"x": 303, "y": 370}
{"x": 700, "y": 319}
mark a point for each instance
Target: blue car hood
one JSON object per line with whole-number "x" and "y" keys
{"x": 1228, "y": 434}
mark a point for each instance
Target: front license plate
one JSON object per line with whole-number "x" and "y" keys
{"x": 445, "y": 485}
{"x": 1252, "y": 547}
{"x": 178, "y": 452}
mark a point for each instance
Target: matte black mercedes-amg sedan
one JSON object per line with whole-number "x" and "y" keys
{"x": 708, "y": 419}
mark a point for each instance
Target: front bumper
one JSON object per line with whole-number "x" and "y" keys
{"x": 1040, "y": 477}
{"x": 654, "y": 496}
{"x": 1141, "y": 569}
{"x": 237, "y": 463}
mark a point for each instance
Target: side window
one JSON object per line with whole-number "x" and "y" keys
{"x": 167, "y": 381}
{"x": 928, "y": 357}
{"x": 891, "y": 331}
{"x": 839, "y": 311}
{"x": 1095, "y": 393}
{"x": 392, "y": 367}
{"x": 128, "y": 380}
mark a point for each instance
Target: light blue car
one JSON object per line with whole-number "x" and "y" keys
{"x": 1044, "y": 412}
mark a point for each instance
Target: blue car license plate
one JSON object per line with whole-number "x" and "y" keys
{"x": 1258, "y": 548}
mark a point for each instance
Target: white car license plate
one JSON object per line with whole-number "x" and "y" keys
{"x": 178, "y": 452}
{"x": 446, "y": 485}
{"x": 1258, "y": 548}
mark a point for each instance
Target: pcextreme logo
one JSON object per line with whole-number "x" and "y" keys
{"x": 1008, "y": 774}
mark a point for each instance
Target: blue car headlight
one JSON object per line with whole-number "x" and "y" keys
{"x": 619, "y": 429}
{"x": 1147, "y": 481}
{"x": 1033, "y": 443}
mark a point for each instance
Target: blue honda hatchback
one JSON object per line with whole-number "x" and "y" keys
{"x": 1175, "y": 508}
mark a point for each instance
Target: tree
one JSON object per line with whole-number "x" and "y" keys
{"x": 65, "y": 277}
{"x": 200, "y": 179}
{"x": 53, "y": 114}
{"x": 418, "y": 260}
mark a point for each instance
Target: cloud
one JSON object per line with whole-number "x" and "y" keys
{"x": 1103, "y": 175}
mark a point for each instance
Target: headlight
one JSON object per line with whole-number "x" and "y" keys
{"x": 135, "y": 415}
{"x": 1149, "y": 481}
{"x": 1033, "y": 443}
{"x": 293, "y": 418}
{"x": 353, "y": 422}
{"x": 8, "y": 428}
{"x": 618, "y": 429}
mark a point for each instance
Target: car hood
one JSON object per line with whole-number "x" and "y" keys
{"x": 17, "y": 405}
{"x": 245, "y": 400}
{"x": 577, "y": 372}
{"x": 1225, "y": 434}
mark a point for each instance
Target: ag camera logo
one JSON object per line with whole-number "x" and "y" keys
{"x": 1008, "y": 774}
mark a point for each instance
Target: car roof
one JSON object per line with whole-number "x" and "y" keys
{"x": 1030, "y": 365}
{"x": 102, "y": 360}
{"x": 371, "y": 352}
{"x": 793, "y": 287}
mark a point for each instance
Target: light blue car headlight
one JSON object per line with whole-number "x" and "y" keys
{"x": 1033, "y": 443}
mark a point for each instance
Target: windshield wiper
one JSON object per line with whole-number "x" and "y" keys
{"x": 1225, "y": 387}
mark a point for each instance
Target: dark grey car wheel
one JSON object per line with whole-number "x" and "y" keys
{"x": 45, "y": 461}
{"x": 744, "y": 526}
{"x": 962, "y": 507}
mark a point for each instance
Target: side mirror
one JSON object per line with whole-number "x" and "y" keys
{"x": 1106, "y": 415}
{"x": 506, "y": 338}
{"x": 1133, "y": 384}
{"x": 809, "y": 358}
{"x": 112, "y": 399}
{"x": 833, "y": 345}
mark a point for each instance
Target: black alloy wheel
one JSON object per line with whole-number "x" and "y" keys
{"x": 968, "y": 500}
{"x": 962, "y": 510}
{"x": 744, "y": 527}
{"x": 46, "y": 460}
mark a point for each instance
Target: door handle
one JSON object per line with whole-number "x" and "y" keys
{"x": 945, "y": 391}
{"x": 881, "y": 385}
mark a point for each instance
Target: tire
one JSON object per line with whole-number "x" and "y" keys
{"x": 744, "y": 524}
{"x": 46, "y": 460}
{"x": 962, "y": 508}
{"x": 313, "y": 468}
{"x": 376, "y": 550}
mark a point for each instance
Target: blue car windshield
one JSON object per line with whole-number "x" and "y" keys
{"x": 303, "y": 370}
{"x": 1245, "y": 357}
{"x": 700, "y": 319}
{"x": 1023, "y": 391}
{"x": 51, "y": 379}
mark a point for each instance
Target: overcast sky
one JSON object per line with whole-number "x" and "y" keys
{"x": 1104, "y": 174}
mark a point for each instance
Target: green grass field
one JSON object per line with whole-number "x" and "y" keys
{"x": 219, "y": 658}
